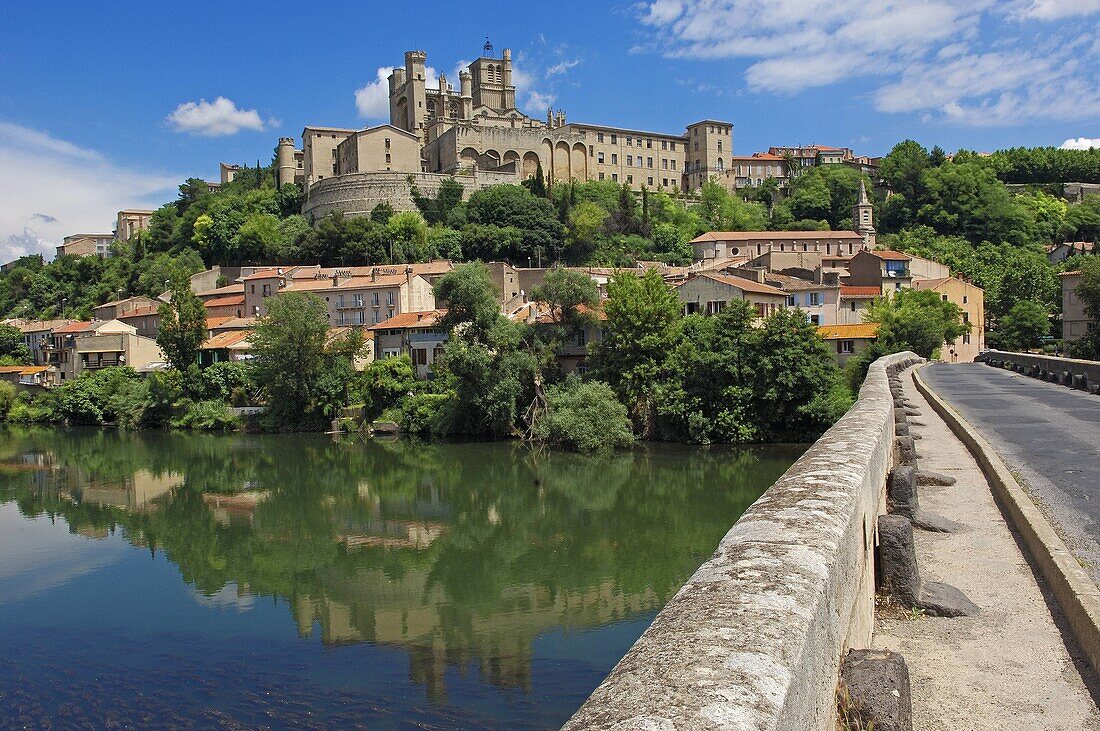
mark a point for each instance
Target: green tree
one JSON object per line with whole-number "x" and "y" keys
{"x": 471, "y": 298}
{"x": 438, "y": 209}
{"x": 584, "y": 416}
{"x": 182, "y": 326}
{"x": 12, "y": 349}
{"x": 290, "y": 360}
{"x": 966, "y": 199}
{"x": 567, "y": 291}
{"x": 514, "y": 206}
{"x": 1023, "y": 326}
{"x": 917, "y": 320}
{"x": 643, "y": 324}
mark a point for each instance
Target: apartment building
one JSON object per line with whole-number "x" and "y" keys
{"x": 87, "y": 245}
{"x": 358, "y": 296}
{"x": 971, "y": 300}
{"x": 1075, "y": 321}
{"x": 709, "y": 293}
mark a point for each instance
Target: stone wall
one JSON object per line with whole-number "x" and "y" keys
{"x": 754, "y": 639}
{"x": 357, "y": 194}
{"x": 1082, "y": 374}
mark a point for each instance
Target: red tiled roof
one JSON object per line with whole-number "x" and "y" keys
{"x": 892, "y": 255}
{"x": 403, "y": 320}
{"x": 848, "y": 290}
{"x": 745, "y": 285}
{"x": 139, "y": 312}
{"x": 225, "y": 339}
{"x": 774, "y": 235}
{"x": 845, "y": 332}
{"x": 236, "y": 299}
{"x": 75, "y": 327}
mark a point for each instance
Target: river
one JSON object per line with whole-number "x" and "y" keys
{"x": 179, "y": 580}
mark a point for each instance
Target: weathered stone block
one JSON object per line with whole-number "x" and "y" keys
{"x": 944, "y": 600}
{"x": 901, "y": 429}
{"x": 901, "y": 491}
{"x": 934, "y": 523}
{"x": 875, "y": 690}
{"x": 907, "y": 450}
{"x": 897, "y": 560}
{"x": 925, "y": 477}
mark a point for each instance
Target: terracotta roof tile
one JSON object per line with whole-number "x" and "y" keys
{"x": 403, "y": 320}
{"x": 845, "y": 332}
{"x": 850, "y": 290}
{"x": 745, "y": 285}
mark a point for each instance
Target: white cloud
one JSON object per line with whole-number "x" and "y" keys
{"x": 536, "y": 103}
{"x": 1054, "y": 9}
{"x": 52, "y": 188}
{"x": 373, "y": 99}
{"x": 974, "y": 62}
{"x": 562, "y": 66}
{"x": 1081, "y": 143}
{"x": 214, "y": 119}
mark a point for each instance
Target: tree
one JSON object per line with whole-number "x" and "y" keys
{"x": 471, "y": 298}
{"x": 12, "y": 349}
{"x": 537, "y": 183}
{"x": 1023, "y": 326}
{"x": 515, "y": 206}
{"x": 917, "y": 320}
{"x": 566, "y": 291}
{"x": 642, "y": 326}
{"x": 584, "y": 416}
{"x": 966, "y": 199}
{"x": 182, "y": 326}
{"x": 826, "y": 193}
{"x": 437, "y": 210}
{"x": 381, "y": 213}
{"x": 1088, "y": 291}
{"x": 720, "y": 211}
{"x": 290, "y": 360}
{"x": 408, "y": 234}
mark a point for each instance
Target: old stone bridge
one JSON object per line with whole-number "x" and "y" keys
{"x": 757, "y": 637}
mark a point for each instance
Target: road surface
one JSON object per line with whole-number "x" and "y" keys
{"x": 1047, "y": 434}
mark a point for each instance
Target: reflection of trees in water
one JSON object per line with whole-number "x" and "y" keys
{"x": 456, "y": 552}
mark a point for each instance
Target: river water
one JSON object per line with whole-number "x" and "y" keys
{"x": 166, "y": 580}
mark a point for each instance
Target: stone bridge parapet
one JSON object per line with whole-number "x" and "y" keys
{"x": 755, "y": 638}
{"x": 1082, "y": 374}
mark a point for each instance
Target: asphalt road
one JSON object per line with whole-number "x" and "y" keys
{"x": 1047, "y": 434}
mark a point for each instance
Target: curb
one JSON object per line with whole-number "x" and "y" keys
{"x": 1074, "y": 590}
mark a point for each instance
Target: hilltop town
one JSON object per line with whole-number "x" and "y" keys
{"x": 369, "y": 220}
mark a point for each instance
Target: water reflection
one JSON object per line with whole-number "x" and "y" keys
{"x": 461, "y": 556}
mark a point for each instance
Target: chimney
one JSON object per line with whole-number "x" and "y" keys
{"x": 374, "y": 274}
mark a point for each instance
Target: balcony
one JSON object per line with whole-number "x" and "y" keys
{"x": 95, "y": 365}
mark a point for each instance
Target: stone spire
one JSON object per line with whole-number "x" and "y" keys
{"x": 863, "y": 217}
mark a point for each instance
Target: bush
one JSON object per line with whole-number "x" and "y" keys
{"x": 384, "y": 383}
{"x": 584, "y": 416}
{"x": 206, "y": 416}
{"x": 422, "y": 413}
{"x": 221, "y": 380}
{"x": 96, "y": 397}
{"x": 8, "y": 396}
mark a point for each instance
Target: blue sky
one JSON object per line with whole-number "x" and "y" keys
{"x": 109, "y": 105}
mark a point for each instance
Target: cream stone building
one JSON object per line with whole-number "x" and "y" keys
{"x": 971, "y": 300}
{"x": 355, "y": 296}
{"x": 130, "y": 222}
{"x": 477, "y": 135}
